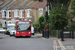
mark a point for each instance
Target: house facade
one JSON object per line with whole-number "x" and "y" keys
{"x": 31, "y": 12}
{"x": 11, "y": 16}
{"x": 38, "y": 9}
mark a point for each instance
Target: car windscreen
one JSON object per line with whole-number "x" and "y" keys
{"x": 11, "y": 27}
{"x": 23, "y": 26}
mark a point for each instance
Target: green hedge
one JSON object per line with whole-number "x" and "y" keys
{"x": 3, "y": 27}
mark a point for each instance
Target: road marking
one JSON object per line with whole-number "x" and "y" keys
{"x": 54, "y": 45}
{"x": 61, "y": 45}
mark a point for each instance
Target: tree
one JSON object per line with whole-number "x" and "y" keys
{"x": 38, "y": 0}
{"x": 73, "y": 7}
{"x": 40, "y": 23}
{"x": 58, "y": 18}
{"x": 72, "y": 26}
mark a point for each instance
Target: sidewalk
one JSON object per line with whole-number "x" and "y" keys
{"x": 67, "y": 44}
{"x": 39, "y": 35}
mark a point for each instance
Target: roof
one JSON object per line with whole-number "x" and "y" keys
{"x": 39, "y": 4}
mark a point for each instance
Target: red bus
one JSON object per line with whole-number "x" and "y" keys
{"x": 23, "y": 28}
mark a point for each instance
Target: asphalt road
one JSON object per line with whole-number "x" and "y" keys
{"x": 24, "y": 43}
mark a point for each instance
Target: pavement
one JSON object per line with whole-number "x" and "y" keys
{"x": 67, "y": 44}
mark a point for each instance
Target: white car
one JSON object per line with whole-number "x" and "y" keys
{"x": 32, "y": 30}
{"x": 11, "y": 30}
{"x": 2, "y": 30}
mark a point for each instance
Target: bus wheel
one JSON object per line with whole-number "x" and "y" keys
{"x": 17, "y": 36}
{"x": 10, "y": 35}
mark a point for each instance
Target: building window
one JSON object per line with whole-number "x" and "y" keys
{"x": 28, "y": 12}
{"x": 22, "y": 13}
{"x": 41, "y": 11}
{"x": 47, "y": 9}
{"x": 0, "y": 14}
{"x": 15, "y": 13}
{"x": 9, "y": 14}
{"x": 5, "y": 13}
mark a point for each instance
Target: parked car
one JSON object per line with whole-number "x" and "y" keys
{"x": 2, "y": 30}
{"x": 32, "y": 30}
{"x": 11, "y": 29}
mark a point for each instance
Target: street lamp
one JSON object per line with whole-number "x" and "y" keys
{"x": 46, "y": 16}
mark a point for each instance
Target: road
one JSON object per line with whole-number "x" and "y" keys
{"x": 24, "y": 43}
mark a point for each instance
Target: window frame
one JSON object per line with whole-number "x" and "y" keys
{"x": 40, "y": 9}
{"x": 16, "y": 13}
{"x": 28, "y": 13}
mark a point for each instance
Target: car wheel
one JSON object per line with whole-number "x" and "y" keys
{"x": 33, "y": 33}
{"x": 10, "y": 35}
{"x": 7, "y": 33}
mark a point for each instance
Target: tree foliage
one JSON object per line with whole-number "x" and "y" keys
{"x": 73, "y": 7}
{"x": 38, "y": 0}
{"x": 58, "y": 18}
{"x": 40, "y": 23}
{"x": 72, "y": 24}
{"x": 58, "y": 15}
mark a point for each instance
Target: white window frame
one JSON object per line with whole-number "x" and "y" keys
{"x": 9, "y": 22}
{"x": 7, "y": 12}
{"x": 21, "y": 14}
{"x": 0, "y": 14}
{"x": 40, "y": 14}
{"x": 3, "y": 14}
{"x": 10, "y": 14}
{"x": 28, "y": 13}
{"x": 16, "y": 13}
{"x": 48, "y": 10}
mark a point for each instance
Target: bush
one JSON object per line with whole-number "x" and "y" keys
{"x": 3, "y": 27}
{"x": 39, "y": 25}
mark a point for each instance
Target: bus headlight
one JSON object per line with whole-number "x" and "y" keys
{"x": 29, "y": 32}
{"x": 17, "y": 32}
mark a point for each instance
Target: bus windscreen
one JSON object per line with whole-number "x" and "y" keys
{"x": 23, "y": 26}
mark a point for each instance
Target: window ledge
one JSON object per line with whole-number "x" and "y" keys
{"x": 28, "y": 16}
{"x": 3, "y": 17}
{"x": 21, "y": 17}
{"x": 8, "y": 17}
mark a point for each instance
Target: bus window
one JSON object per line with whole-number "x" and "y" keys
{"x": 23, "y": 26}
